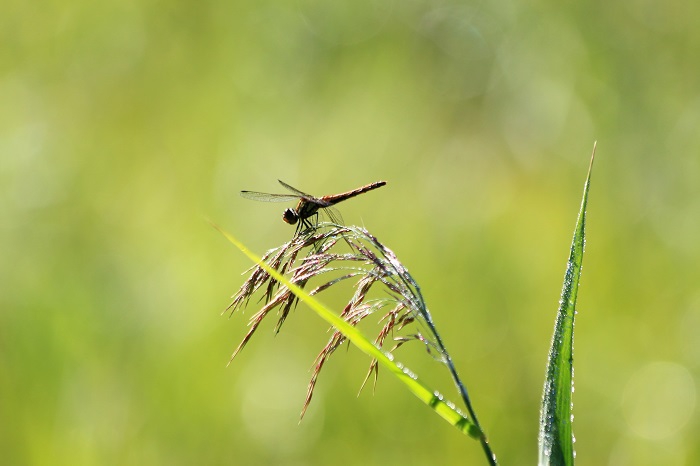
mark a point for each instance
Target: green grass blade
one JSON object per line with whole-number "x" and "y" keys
{"x": 431, "y": 398}
{"x": 556, "y": 442}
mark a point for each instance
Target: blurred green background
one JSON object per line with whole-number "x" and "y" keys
{"x": 125, "y": 125}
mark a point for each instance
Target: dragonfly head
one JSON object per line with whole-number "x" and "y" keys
{"x": 290, "y": 216}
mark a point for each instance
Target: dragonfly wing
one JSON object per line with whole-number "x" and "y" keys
{"x": 266, "y": 197}
{"x": 333, "y": 215}
{"x": 301, "y": 194}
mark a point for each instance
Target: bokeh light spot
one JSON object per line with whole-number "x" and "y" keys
{"x": 659, "y": 400}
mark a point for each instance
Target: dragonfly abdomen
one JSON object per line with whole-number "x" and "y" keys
{"x": 335, "y": 198}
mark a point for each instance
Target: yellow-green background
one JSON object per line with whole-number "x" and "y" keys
{"x": 125, "y": 124}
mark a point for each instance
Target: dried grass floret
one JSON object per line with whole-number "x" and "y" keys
{"x": 319, "y": 253}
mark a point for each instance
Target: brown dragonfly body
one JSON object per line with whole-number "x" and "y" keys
{"x": 308, "y": 206}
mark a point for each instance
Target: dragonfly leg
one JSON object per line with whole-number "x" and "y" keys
{"x": 307, "y": 223}
{"x": 304, "y": 225}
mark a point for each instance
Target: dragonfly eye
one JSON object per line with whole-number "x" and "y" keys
{"x": 290, "y": 216}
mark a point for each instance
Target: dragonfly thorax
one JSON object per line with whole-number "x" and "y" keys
{"x": 290, "y": 216}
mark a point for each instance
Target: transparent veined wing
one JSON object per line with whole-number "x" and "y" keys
{"x": 267, "y": 197}
{"x": 303, "y": 195}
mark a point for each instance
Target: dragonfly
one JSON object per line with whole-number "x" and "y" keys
{"x": 308, "y": 206}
